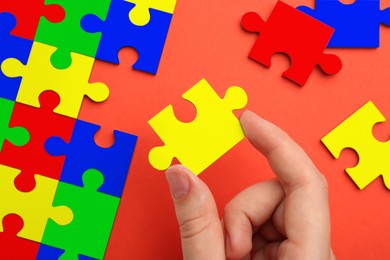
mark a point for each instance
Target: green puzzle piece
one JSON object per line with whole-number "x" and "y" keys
{"x": 68, "y": 36}
{"x": 18, "y": 136}
{"x": 94, "y": 215}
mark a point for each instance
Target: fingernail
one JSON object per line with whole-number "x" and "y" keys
{"x": 179, "y": 183}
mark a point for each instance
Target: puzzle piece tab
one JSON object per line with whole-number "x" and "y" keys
{"x": 34, "y": 207}
{"x": 356, "y": 25}
{"x": 41, "y": 124}
{"x": 296, "y": 34}
{"x": 140, "y": 15}
{"x": 118, "y": 32}
{"x": 198, "y": 144}
{"x": 70, "y": 84}
{"x": 356, "y": 133}
{"x": 82, "y": 153}
{"x": 16, "y": 135}
{"x": 94, "y": 215}
{"x": 13, "y": 247}
{"x": 51, "y": 253}
{"x": 11, "y": 47}
{"x": 28, "y": 13}
{"x": 70, "y": 37}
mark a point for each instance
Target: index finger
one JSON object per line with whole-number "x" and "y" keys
{"x": 306, "y": 213}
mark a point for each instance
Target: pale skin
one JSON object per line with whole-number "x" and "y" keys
{"x": 283, "y": 218}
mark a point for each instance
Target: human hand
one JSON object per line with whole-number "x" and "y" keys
{"x": 284, "y": 218}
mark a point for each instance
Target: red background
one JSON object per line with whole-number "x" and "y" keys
{"x": 206, "y": 40}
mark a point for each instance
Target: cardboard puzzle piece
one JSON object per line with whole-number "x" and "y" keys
{"x": 296, "y": 34}
{"x": 41, "y": 124}
{"x": 118, "y": 32}
{"x": 16, "y": 135}
{"x": 70, "y": 37}
{"x": 356, "y": 25}
{"x": 140, "y": 14}
{"x": 51, "y": 253}
{"x": 198, "y": 144}
{"x": 34, "y": 207}
{"x": 356, "y": 133}
{"x": 82, "y": 153}
{"x": 12, "y": 246}
{"x": 11, "y": 47}
{"x": 39, "y": 75}
{"x": 94, "y": 215}
{"x": 28, "y": 13}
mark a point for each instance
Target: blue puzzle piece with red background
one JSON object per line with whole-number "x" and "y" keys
{"x": 356, "y": 25}
{"x": 118, "y": 32}
{"x": 82, "y": 154}
{"x": 11, "y": 47}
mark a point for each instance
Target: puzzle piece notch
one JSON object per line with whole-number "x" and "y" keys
{"x": 16, "y": 135}
{"x": 213, "y": 132}
{"x": 34, "y": 207}
{"x": 356, "y": 25}
{"x": 13, "y": 247}
{"x": 303, "y": 39}
{"x": 71, "y": 84}
{"x": 32, "y": 158}
{"x": 94, "y": 215}
{"x": 356, "y": 133}
{"x": 140, "y": 14}
{"x": 51, "y": 253}
{"x": 82, "y": 153}
{"x": 119, "y": 32}
{"x": 28, "y": 13}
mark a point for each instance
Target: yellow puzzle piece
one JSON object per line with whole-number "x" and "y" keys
{"x": 39, "y": 75}
{"x": 34, "y": 207}
{"x": 356, "y": 133}
{"x": 140, "y": 15}
{"x": 198, "y": 144}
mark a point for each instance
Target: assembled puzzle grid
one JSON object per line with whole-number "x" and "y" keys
{"x": 60, "y": 191}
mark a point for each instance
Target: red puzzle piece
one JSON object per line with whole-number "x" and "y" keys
{"x": 296, "y": 34}
{"x": 12, "y": 246}
{"x": 32, "y": 158}
{"x": 28, "y": 13}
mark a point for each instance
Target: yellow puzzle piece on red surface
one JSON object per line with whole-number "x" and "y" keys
{"x": 198, "y": 144}
{"x": 356, "y": 133}
{"x": 71, "y": 84}
{"x": 34, "y": 207}
{"x": 140, "y": 15}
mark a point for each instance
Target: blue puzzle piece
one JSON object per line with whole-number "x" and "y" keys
{"x": 82, "y": 154}
{"x": 11, "y": 47}
{"x": 356, "y": 25}
{"x": 118, "y": 32}
{"x": 51, "y": 253}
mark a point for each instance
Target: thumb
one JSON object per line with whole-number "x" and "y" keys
{"x": 200, "y": 227}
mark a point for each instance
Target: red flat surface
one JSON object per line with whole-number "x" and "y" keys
{"x": 206, "y": 40}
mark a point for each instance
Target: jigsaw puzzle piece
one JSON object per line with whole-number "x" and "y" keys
{"x": 140, "y": 14}
{"x": 198, "y": 144}
{"x": 51, "y": 253}
{"x": 296, "y": 34}
{"x": 118, "y": 32}
{"x": 13, "y": 247}
{"x": 356, "y": 25}
{"x": 94, "y": 215}
{"x": 39, "y": 75}
{"x": 34, "y": 207}
{"x": 70, "y": 36}
{"x": 32, "y": 158}
{"x": 82, "y": 153}
{"x": 16, "y": 135}
{"x": 28, "y": 13}
{"x": 11, "y": 47}
{"x": 356, "y": 133}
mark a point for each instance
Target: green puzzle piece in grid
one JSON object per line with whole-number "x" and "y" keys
{"x": 18, "y": 136}
{"x": 93, "y": 218}
{"x": 68, "y": 36}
